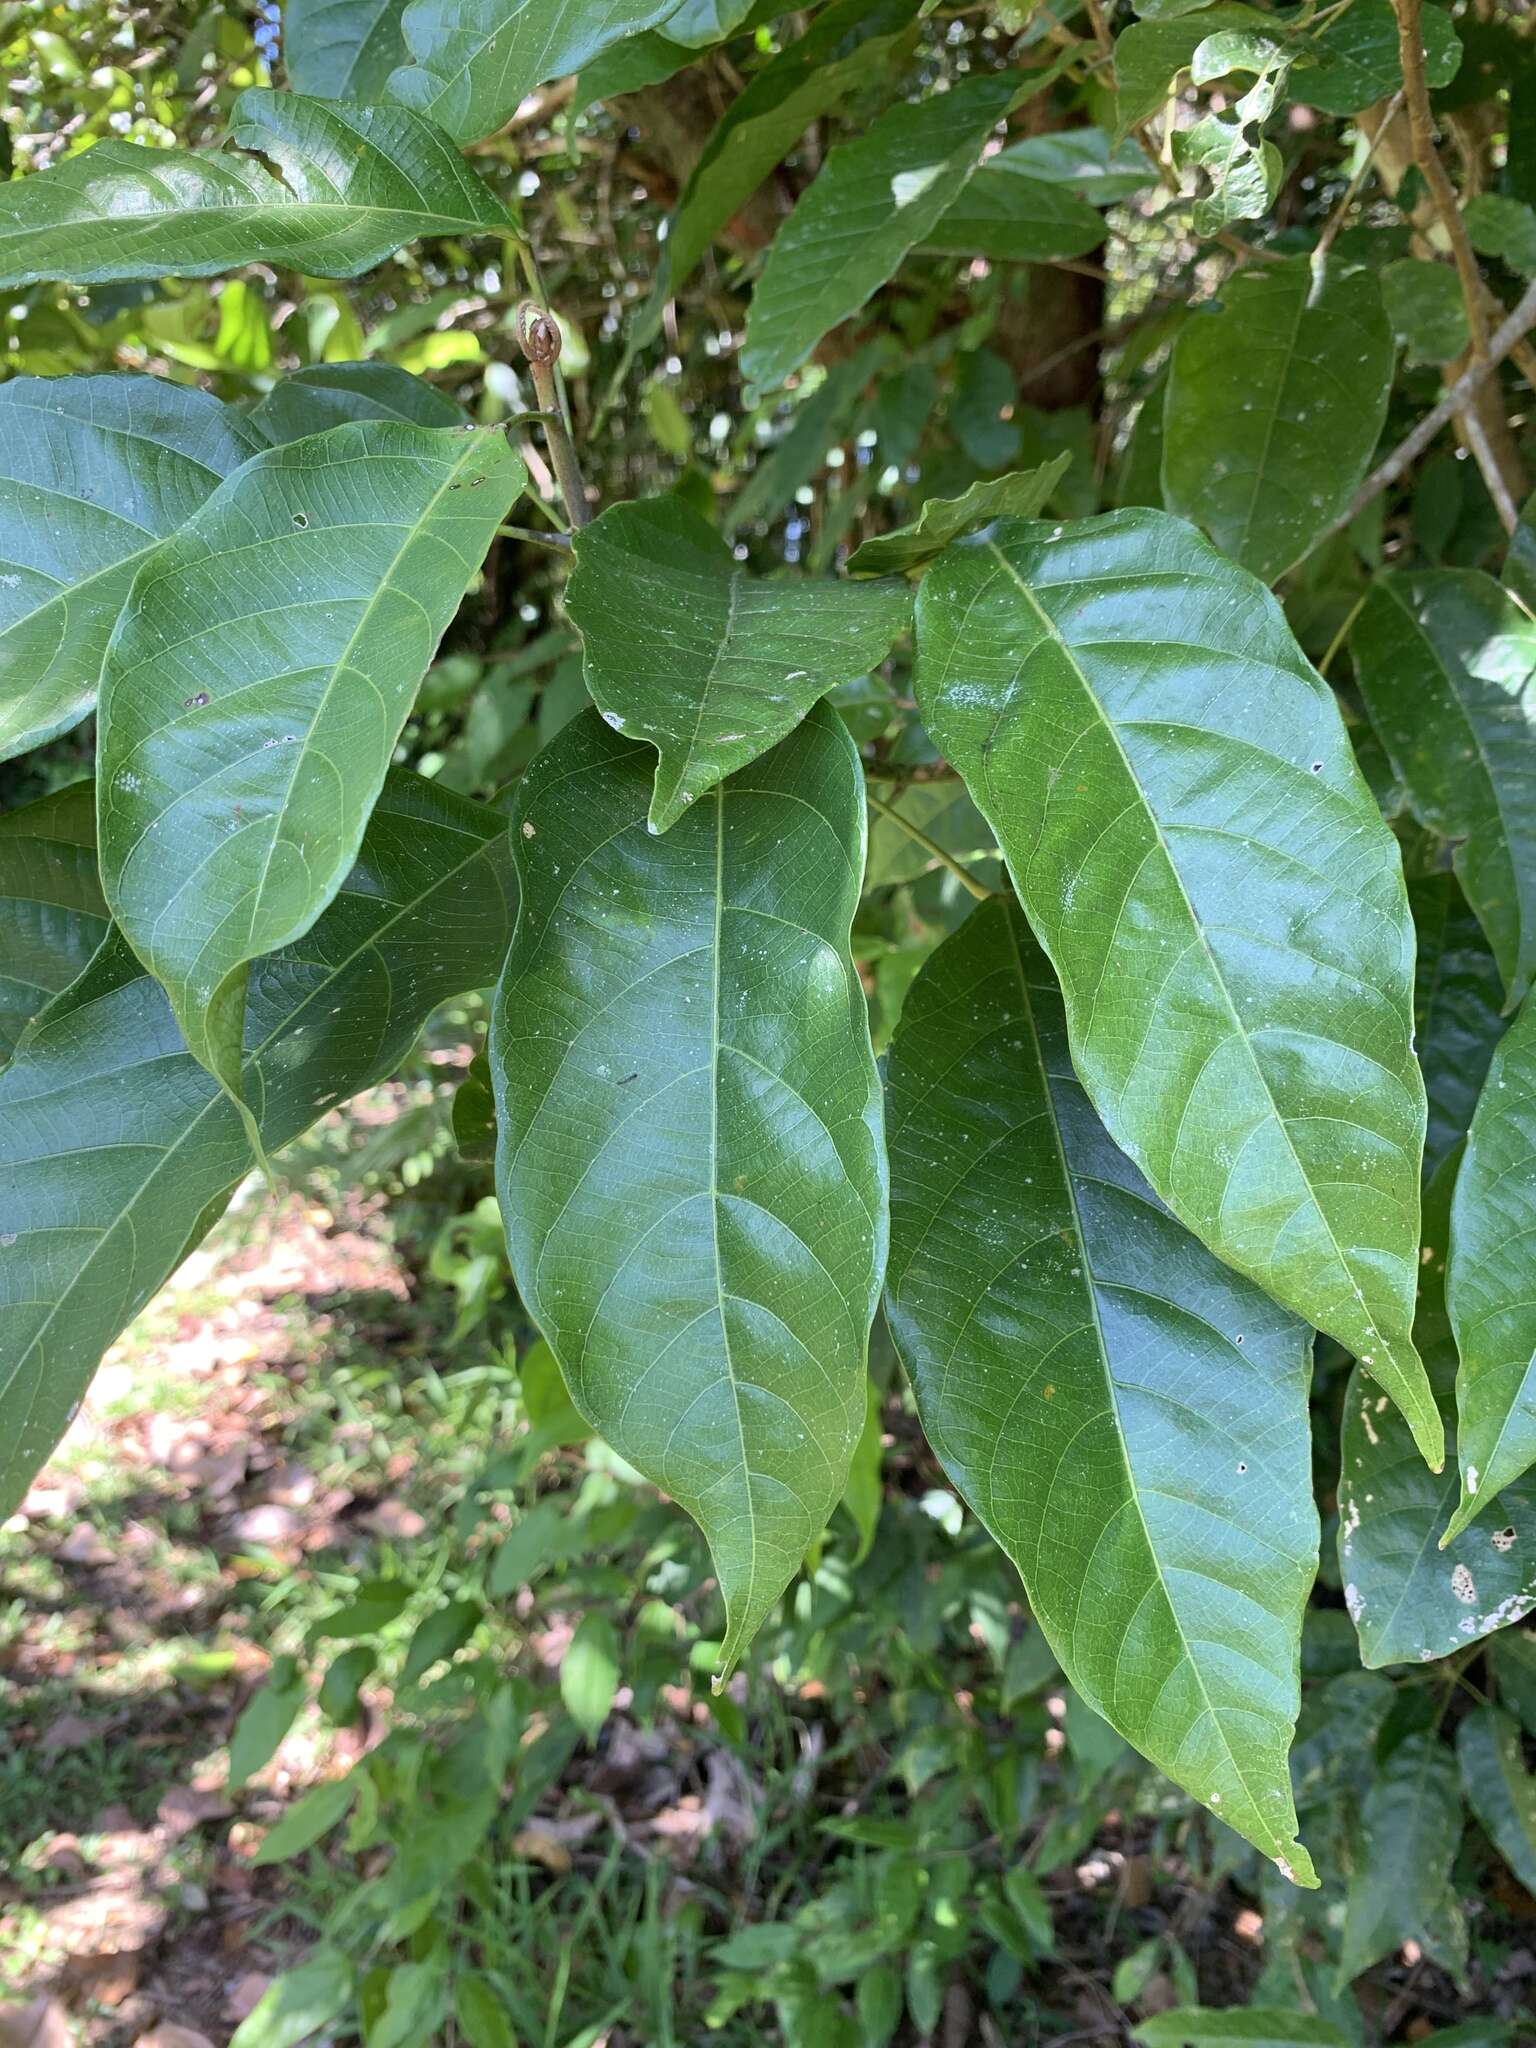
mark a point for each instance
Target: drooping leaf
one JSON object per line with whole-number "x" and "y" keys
{"x": 315, "y": 185}
{"x": 53, "y": 915}
{"x": 1443, "y": 658}
{"x": 1457, "y": 999}
{"x": 1355, "y": 61}
{"x": 803, "y": 82}
{"x": 1424, "y": 304}
{"x": 589, "y": 1673}
{"x": 1178, "y": 803}
{"x": 708, "y": 664}
{"x": 1010, "y": 216}
{"x": 266, "y": 661}
{"x": 1086, "y": 160}
{"x": 691, "y": 1167}
{"x": 864, "y": 1492}
{"x": 1410, "y": 1601}
{"x": 265, "y": 1719}
{"x": 1274, "y": 406}
{"x": 1400, "y": 1889}
{"x": 94, "y": 472}
{"x": 342, "y": 49}
{"x": 1247, "y": 2026}
{"x": 117, "y": 1151}
{"x": 330, "y": 394}
{"x": 1126, "y": 1415}
{"x": 1150, "y": 54}
{"x": 1499, "y": 1788}
{"x": 1020, "y": 495}
{"x": 1488, "y": 1279}
{"x": 875, "y": 198}
{"x": 474, "y": 61}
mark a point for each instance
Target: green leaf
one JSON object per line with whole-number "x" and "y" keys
{"x": 1357, "y": 59}
{"x": 1019, "y": 495}
{"x": 265, "y": 1720}
{"x": 1250, "y": 2026}
{"x": 474, "y": 61}
{"x": 1457, "y": 1000}
{"x": 1488, "y": 1280}
{"x": 1424, "y": 304}
{"x": 1520, "y": 562}
{"x": 1503, "y": 227}
{"x": 480, "y": 2014}
{"x": 1086, "y": 160}
{"x": 1512, "y": 1664}
{"x": 690, "y": 1162}
{"x": 823, "y": 418}
{"x": 803, "y": 82}
{"x": 1245, "y": 173}
{"x": 303, "y": 1823}
{"x": 299, "y": 2004}
{"x": 1125, "y": 1415}
{"x": 325, "y": 188}
{"x": 589, "y": 1674}
{"x": 1150, "y": 54}
{"x": 331, "y": 394}
{"x": 1443, "y": 658}
{"x": 1010, "y": 216}
{"x": 52, "y": 912}
{"x": 1400, "y": 1889}
{"x": 444, "y": 1632}
{"x": 342, "y": 49}
{"x": 415, "y": 2003}
{"x": 474, "y": 1114}
{"x": 340, "y": 1695}
{"x": 1409, "y": 1600}
{"x": 117, "y": 1151}
{"x": 375, "y": 1604}
{"x": 265, "y": 663}
{"x": 710, "y": 665}
{"x": 875, "y": 198}
{"x": 94, "y": 471}
{"x": 982, "y": 408}
{"x": 1169, "y": 781}
{"x": 1499, "y": 1788}
{"x": 1274, "y": 406}
{"x": 863, "y": 1493}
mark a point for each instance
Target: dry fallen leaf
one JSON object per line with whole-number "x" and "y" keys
{"x": 184, "y": 1808}
{"x": 245, "y": 1994}
{"x": 42, "y": 2024}
{"x": 169, "y": 2035}
{"x": 70, "y": 1731}
{"x": 541, "y": 1847}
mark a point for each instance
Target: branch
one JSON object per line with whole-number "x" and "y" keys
{"x": 930, "y": 846}
{"x": 538, "y": 336}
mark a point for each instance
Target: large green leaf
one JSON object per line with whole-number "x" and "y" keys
{"x": 1150, "y": 54}
{"x": 474, "y": 61}
{"x": 1246, "y": 2026}
{"x": 117, "y": 1150}
{"x": 690, "y": 1159}
{"x": 1499, "y": 1788}
{"x": 1126, "y": 1415}
{"x": 1400, "y": 1889}
{"x": 331, "y": 394}
{"x": 342, "y": 49}
{"x": 1457, "y": 998}
{"x": 876, "y": 197}
{"x": 53, "y": 915}
{"x": 94, "y": 471}
{"x": 796, "y": 87}
{"x": 1488, "y": 1280}
{"x": 710, "y": 665}
{"x": 1274, "y": 405}
{"x": 1007, "y": 214}
{"x": 311, "y": 184}
{"x": 1411, "y": 1601}
{"x": 1356, "y": 59}
{"x": 1444, "y": 658}
{"x": 1178, "y": 803}
{"x": 1019, "y": 495}
{"x": 265, "y": 663}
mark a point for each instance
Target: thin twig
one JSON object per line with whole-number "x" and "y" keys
{"x": 1340, "y": 214}
{"x": 915, "y": 833}
{"x": 555, "y": 542}
{"x": 538, "y": 335}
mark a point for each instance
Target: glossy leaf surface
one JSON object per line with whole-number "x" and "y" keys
{"x": 1179, "y": 806}
{"x": 710, "y": 665}
{"x": 1126, "y": 1415}
{"x": 347, "y": 186}
{"x": 1444, "y": 658}
{"x": 473, "y": 61}
{"x": 1410, "y": 1600}
{"x": 1019, "y": 495}
{"x": 1457, "y": 1003}
{"x": 94, "y": 472}
{"x": 690, "y": 1161}
{"x": 1400, "y": 1890}
{"x": 1499, "y": 1788}
{"x": 330, "y": 394}
{"x": 342, "y": 49}
{"x": 1488, "y": 1281}
{"x": 1274, "y": 406}
{"x": 117, "y": 1150}
{"x": 1356, "y": 60}
{"x": 1009, "y": 216}
{"x": 1150, "y": 54}
{"x": 256, "y": 687}
{"x": 876, "y": 197}
{"x": 53, "y": 915}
